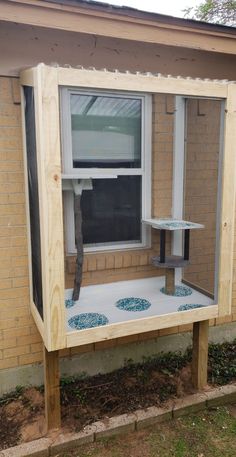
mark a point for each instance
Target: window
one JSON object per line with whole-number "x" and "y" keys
{"x": 106, "y": 142}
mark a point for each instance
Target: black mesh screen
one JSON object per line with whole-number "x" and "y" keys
{"x": 33, "y": 198}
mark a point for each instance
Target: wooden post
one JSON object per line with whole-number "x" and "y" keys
{"x": 52, "y": 389}
{"x": 170, "y": 281}
{"x": 200, "y": 354}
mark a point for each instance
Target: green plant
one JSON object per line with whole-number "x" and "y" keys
{"x": 222, "y": 362}
{"x": 13, "y": 395}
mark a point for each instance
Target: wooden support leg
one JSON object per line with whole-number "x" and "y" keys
{"x": 170, "y": 281}
{"x": 52, "y": 389}
{"x": 200, "y": 354}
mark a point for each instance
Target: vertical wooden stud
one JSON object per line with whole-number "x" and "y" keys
{"x": 200, "y": 354}
{"x": 52, "y": 389}
{"x": 47, "y": 119}
{"x": 227, "y": 206}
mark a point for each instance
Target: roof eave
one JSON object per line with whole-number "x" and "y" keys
{"x": 129, "y": 24}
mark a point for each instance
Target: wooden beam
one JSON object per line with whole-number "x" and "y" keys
{"x": 147, "y": 83}
{"x": 52, "y": 389}
{"x": 27, "y": 78}
{"x": 227, "y": 222}
{"x": 50, "y": 190}
{"x": 146, "y": 324}
{"x": 149, "y": 28}
{"x": 198, "y": 288}
{"x": 200, "y": 354}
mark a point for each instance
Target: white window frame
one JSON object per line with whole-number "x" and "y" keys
{"x": 95, "y": 173}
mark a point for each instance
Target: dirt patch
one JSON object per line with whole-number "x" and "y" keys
{"x": 34, "y": 397}
{"x": 21, "y": 417}
{"x": 87, "y": 400}
{"x": 156, "y": 381}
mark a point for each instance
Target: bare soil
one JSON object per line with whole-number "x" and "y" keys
{"x": 155, "y": 381}
{"x": 21, "y": 417}
{"x": 87, "y": 400}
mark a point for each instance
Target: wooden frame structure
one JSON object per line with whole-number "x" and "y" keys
{"x": 46, "y": 81}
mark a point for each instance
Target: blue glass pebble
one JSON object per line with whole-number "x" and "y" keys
{"x": 87, "y": 320}
{"x": 133, "y": 304}
{"x": 178, "y": 224}
{"x": 180, "y": 291}
{"x": 69, "y": 303}
{"x": 190, "y": 306}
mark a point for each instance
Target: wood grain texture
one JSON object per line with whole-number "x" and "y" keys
{"x": 200, "y": 354}
{"x": 139, "y": 326}
{"x": 50, "y": 191}
{"x": 27, "y": 77}
{"x": 52, "y": 389}
{"x": 140, "y": 83}
{"x": 228, "y": 206}
{"x": 53, "y": 216}
{"x": 170, "y": 281}
{"x": 38, "y": 320}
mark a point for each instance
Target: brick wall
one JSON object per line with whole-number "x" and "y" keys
{"x": 20, "y": 342}
{"x": 202, "y": 158}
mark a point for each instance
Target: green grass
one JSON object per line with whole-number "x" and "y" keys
{"x": 211, "y": 433}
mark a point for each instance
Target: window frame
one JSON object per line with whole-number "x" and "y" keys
{"x": 95, "y": 173}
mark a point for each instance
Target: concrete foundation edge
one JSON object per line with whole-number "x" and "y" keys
{"x": 107, "y": 360}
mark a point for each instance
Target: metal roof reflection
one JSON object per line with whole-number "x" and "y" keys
{"x": 97, "y": 105}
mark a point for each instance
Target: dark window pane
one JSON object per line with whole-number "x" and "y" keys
{"x": 33, "y": 199}
{"x": 112, "y": 211}
{"x": 106, "y": 131}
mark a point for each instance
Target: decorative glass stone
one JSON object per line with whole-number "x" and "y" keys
{"x": 190, "y": 306}
{"x": 180, "y": 291}
{"x": 133, "y": 304}
{"x": 69, "y": 303}
{"x": 87, "y": 320}
{"x": 179, "y": 225}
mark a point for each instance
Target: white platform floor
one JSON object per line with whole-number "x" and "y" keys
{"x": 103, "y": 297}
